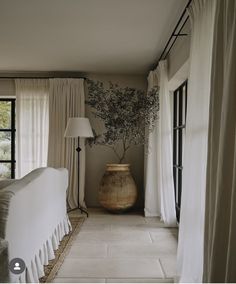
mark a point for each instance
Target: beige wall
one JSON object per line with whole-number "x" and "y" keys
{"x": 98, "y": 156}
{"x": 7, "y": 88}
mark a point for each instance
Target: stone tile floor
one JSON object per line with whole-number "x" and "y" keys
{"x": 120, "y": 248}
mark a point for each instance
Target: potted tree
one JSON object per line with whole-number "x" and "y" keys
{"x": 127, "y": 114}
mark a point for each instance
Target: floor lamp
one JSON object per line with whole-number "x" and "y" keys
{"x": 78, "y": 127}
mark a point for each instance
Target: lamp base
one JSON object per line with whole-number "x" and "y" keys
{"x": 82, "y": 210}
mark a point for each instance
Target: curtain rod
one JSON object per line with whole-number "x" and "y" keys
{"x": 41, "y": 77}
{"x": 175, "y": 35}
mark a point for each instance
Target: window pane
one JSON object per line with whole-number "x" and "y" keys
{"x": 180, "y": 108}
{"x": 184, "y": 104}
{"x": 5, "y": 145}
{"x": 5, "y": 115}
{"x": 5, "y": 170}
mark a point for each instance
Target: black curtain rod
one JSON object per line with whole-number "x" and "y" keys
{"x": 175, "y": 34}
{"x": 35, "y": 77}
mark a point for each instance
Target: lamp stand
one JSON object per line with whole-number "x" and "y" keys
{"x": 82, "y": 210}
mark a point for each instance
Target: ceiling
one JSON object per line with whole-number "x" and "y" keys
{"x": 89, "y": 36}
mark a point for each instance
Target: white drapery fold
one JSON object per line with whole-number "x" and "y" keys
{"x": 191, "y": 231}
{"x": 67, "y": 99}
{"x": 220, "y": 229}
{"x": 35, "y": 269}
{"x": 159, "y": 186}
{"x": 32, "y": 99}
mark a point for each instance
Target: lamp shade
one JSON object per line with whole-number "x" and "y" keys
{"x": 78, "y": 127}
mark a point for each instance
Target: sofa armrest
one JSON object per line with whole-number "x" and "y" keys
{"x": 5, "y": 182}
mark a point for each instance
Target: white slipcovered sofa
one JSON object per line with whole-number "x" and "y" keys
{"x": 33, "y": 220}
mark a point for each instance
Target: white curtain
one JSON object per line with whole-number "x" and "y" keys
{"x": 159, "y": 186}
{"x": 191, "y": 231}
{"x": 220, "y": 226}
{"x": 31, "y": 124}
{"x": 66, "y": 99}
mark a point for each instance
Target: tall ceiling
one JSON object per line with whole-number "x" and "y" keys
{"x": 91, "y": 36}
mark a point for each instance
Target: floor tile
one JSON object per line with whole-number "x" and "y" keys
{"x": 162, "y": 235}
{"x": 154, "y": 220}
{"x": 79, "y": 280}
{"x": 138, "y": 227}
{"x": 129, "y": 228}
{"x": 116, "y": 219}
{"x": 111, "y": 268}
{"x": 120, "y": 248}
{"x": 168, "y": 264}
{"x": 108, "y": 237}
{"x": 139, "y": 280}
{"x": 93, "y": 227}
{"x": 109, "y": 221}
{"x": 88, "y": 250}
{"x": 144, "y": 251}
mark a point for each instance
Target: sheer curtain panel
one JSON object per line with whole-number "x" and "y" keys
{"x": 220, "y": 229}
{"x": 191, "y": 230}
{"x": 159, "y": 185}
{"x": 31, "y": 124}
{"x": 66, "y": 99}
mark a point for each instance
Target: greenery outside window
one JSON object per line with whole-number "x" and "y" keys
{"x": 7, "y": 138}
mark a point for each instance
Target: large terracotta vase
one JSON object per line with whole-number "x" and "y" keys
{"x": 118, "y": 191}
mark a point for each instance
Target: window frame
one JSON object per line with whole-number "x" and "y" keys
{"x": 179, "y": 124}
{"x": 12, "y": 130}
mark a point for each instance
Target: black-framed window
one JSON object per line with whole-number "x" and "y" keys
{"x": 179, "y": 123}
{"x": 7, "y": 138}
